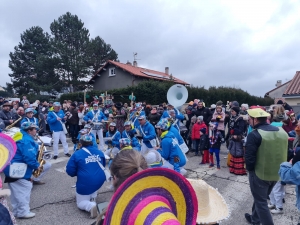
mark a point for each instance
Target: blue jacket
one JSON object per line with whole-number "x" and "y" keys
{"x": 290, "y": 175}
{"x": 148, "y": 133}
{"x": 32, "y": 120}
{"x": 177, "y": 135}
{"x": 54, "y": 124}
{"x": 134, "y": 119}
{"x": 134, "y": 141}
{"x": 90, "y": 176}
{"x": 169, "y": 149}
{"x": 27, "y": 150}
{"x": 93, "y": 138}
{"x": 90, "y": 116}
{"x": 115, "y": 140}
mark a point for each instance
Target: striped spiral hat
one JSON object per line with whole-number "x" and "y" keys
{"x": 155, "y": 196}
{"x": 8, "y": 150}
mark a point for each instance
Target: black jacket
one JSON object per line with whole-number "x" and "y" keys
{"x": 253, "y": 142}
{"x": 6, "y": 116}
{"x": 205, "y": 112}
{"x": 154, "y": 118}
{"x": 204, "y": 142}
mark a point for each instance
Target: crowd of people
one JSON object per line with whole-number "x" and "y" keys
{"x": 258, "y": 141}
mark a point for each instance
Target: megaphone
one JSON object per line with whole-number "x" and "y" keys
{"x": 177, "y": 95}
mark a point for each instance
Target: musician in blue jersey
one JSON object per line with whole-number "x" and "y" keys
{"x": 131, "y": 135}
{"x": 135, "y": 114}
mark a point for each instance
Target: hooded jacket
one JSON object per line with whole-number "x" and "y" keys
{"x": 196, "y": 130}
{"x": 54, "y": 124}
{"x": 170, "y": 149}
{"x": 220, "y": 121}
{"x": 91, "y": 114}
{"x": 116, "y": 137}
{"x": 148, "y": 133}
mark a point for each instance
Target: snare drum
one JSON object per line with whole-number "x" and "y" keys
{"x": 98, "y": 126}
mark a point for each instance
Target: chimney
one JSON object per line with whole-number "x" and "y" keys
{"x": 129, "y": 63}
{"x": 135, "y": 63}
{"x": 279, "y": 82}
{"x": 167, "y": 70}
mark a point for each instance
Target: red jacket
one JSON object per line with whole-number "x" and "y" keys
{"x": 196, "y": 130}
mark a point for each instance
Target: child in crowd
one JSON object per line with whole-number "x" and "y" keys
{"x": 215, "y": 138}
{"x": 189, "y": 134}
{"x": 196, "y": 134}
{"x": 204, "y": 145}
{"x": 237, "y": 161}
{"x": 113, "y": 144}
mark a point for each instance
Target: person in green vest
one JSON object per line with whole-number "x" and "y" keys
{"x": 266, "y": 149}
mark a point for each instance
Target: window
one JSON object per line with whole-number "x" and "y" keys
{"x": 112, "y": 72}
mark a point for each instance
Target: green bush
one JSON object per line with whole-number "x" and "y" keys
{"x": 155, "y": 92}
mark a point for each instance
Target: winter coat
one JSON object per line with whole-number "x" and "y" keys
{"x": 196, "y": 130}
{"x": 27, "y": 150}
{"x": 204, "y": 142}
{"x": 91, "y": 114}
{"x": 74, "y": 118}
{"x": 6, "y": 116}
{"x": 220, "y": 121}
{"x": 289, "y": 125}
{"x": 236, "y": 148}
{"x": 90, "y": 176}
{"x": 54, "y": 124}
{"x": 215, "y": 139}
{"x": 169, "y": 149}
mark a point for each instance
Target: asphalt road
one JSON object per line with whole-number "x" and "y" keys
{"x": 54, "y": 203}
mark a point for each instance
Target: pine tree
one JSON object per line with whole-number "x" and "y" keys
{"x": 70, "y": 41}
{"x": 32, "y": 63}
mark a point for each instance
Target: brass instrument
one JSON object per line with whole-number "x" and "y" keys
{"x": 11, "y": 125}
{"x": 37, "y": 172}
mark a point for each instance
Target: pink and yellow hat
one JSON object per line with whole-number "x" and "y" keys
{"x": 155, "y": 196}
{"x": 8, "y": 150}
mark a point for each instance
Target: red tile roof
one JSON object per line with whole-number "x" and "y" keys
{"x": 141, "y": 72}
{"x": 294, "y": 86}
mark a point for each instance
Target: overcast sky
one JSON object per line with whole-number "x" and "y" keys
{"x": 246, "y": 44}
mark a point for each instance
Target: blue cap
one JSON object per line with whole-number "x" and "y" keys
{"x": 86, "y": 138}
{"x": 127, "y": 123}
{"x": 163, "y": 124}
{"x": 142, "y": 117}
{"x": 56, "y": 104}
{"x": 28, "y": 125}
{"x": 29, "y": 110}
{"x": 138, "y": 105}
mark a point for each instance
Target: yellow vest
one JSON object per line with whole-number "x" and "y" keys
{"x": 271, "y": 153}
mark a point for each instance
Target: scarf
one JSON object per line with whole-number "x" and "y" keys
{"x": 163, "y": 134}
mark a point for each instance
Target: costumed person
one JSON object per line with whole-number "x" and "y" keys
{"x": 29, "y": 112}
{"x": 96, "y": 117}
{"x": 169, "y": 148}
{"x": 113, "y": 144}
{"x": 19, "y": 181}
{"x": 81, "y": 133}
{"x": 237, "y": 162}
{"x": 7, "y": 151}
{"x": 215, "y": 138}
{"x": 125, "y": 144}
{"x": 56, "y": 120}
{"x": 120, "y": 116}
{"x": 87, "y": 165}
{"x": 131, "y": 134}
{"x": 204, "y": 146}
{"x": 135, "y": 114}
{"x": 196, "y": 134}
{"x": 175, "y": 116}
{"x": 148, "y": 134}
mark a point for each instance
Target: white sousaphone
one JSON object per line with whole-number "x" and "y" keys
{"x": 177, "y": 96}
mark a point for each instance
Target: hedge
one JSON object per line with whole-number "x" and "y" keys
{"x": 155, "y": 92}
